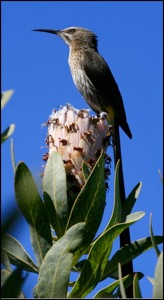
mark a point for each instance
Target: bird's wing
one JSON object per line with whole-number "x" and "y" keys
{"x": 101, "y": 77}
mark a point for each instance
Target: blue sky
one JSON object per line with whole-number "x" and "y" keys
{"x": 35, "y": 66}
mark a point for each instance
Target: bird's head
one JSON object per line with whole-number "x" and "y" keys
{"x": 76, "y": 36}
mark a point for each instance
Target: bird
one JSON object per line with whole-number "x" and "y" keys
{"x": 92, "y": 75}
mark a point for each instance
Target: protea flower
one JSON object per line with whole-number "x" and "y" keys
{"x": 78, "y": 137}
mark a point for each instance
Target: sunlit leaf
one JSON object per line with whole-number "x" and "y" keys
{"x": 151, "y": 280}
{"x": 7, "y": 133}
{"x": 90, "y": 203}
{"x": 158, "y": 278}
{"x": 131, "y": 199}
{"x": 128, "y": 253}
{"x": 5, "y": 261}
{"x": 122, "y": 289}
{"x": 94, "y": 266}
{"x": 55, "y": 270}
{"x": 12, "y": 155}
{"x": 153, "y": 238}
{"x": 52, "y": 214}
{"x": 117, "y": 210}
{"x": 109, "y": 291}
{"x": 136, "y": 288}
{"x": 33, "y": 209}
{"x": 5, "y": 97}
{"x": 17, "y": 254}
{"x": 55, "y": 185}
{"x": 85, "y": 170}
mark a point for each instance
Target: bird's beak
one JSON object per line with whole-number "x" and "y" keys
{"x": 48, "y": 30}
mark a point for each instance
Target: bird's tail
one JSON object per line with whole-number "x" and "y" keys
{"x": 126, "y": 129}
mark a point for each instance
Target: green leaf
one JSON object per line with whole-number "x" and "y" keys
{"x": 128, "y": 282}
{"x": 56, "y": 267}
{"x": 90, "y": 203}
{"x": 122, "y": 289}
{"x": 17, "y": 254}
{"x": 5, "y": 97}
{"x": 4, "y": 275}
{"x": 7, "y": 133}
{"x": 5, "y": 261}
{"x": 33, "y": 209}
{"x": 108, "y": 292}
{"x": 12, "y": 155}
{"x": 117, "y": 210}
{"x": 95, "y": 264}
{"x": 85, "y": 170}
{"x": 151, "y": 280}
{"x": 35, "y": 291}
{"x": 158, "y": 278}
{"x": 131, "y": 199}
{"x": 52, "y": 214}
{"x": 127, "y": 253}
{"x": 153, "y": 238}
{"x": 55, "y": 185}
{"x": 12, "y": 284}
{"x": 136, "y": 288}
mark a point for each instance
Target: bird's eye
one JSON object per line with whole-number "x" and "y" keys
{"x": 72, "y": 30}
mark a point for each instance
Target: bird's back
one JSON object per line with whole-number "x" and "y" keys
{"x": 97, "y": 85}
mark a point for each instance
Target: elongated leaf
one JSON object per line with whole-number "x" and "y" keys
{"x": 55, "y": 270}
{"x": 17, "y": 254}
{"x": 136, "y": 288}
{"x": 85, "y": 170}
{"x": 5, "y": 97}
{"x": 4, "y": 275}
{"x": 33, "y": 209}
{"x": 5, "y": 261}
{"x": 35, "y": 291}
{"x": 95, "y": 264}
{"x": 52, "y": 214}
{"x": 128, "y": 282}
{"x": 127, "y": 253}
{"x": 108, "y": 292}
{"x": 152, "y": 237}
{"x": 122, "y": 289}
{"x": 12, "y": 155}
{"x": 7, "y": 133}
{"x": 131, "y": 200}
{"x": 117, "y": 211}
{"x": 90, "y": 203}
{"x": 158, "y": 278}
{"x": 55, "y": 185}
{"x": 12, "y": 284}
{"x": 151, "y": 280}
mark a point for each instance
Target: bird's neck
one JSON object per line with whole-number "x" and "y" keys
{"x": 77, "y": 53}
{"x": 80, "y": 45}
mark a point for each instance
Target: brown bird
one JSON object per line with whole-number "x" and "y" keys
{"x": 92, "y": 75}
